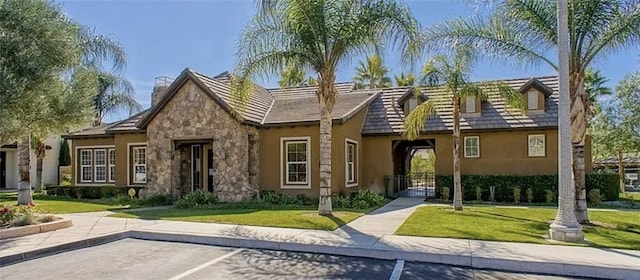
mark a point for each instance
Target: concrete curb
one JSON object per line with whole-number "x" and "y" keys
{"x": 33, "y": 229}
{"x": 466, "y": 260}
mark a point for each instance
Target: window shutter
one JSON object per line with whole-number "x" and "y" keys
{"x": 471, "y": 104}
{"x": 532, "y": 100}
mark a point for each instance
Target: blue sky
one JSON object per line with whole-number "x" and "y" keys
{"x": 164, "y": 37}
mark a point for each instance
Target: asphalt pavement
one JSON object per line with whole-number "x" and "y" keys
{"x": 142, "y": 259}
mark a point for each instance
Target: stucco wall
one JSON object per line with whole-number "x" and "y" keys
{"x": 123, "y": 168}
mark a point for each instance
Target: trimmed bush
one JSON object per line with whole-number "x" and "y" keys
{"x": 197, "y": 199}
{"x": 517, "y": 191}
{"x": 539, "y": 185}
{"x": 478, "y": 194}
{"x": 529, "y": 195}
{"x": 90, "y": 192}
{"x": 595, "y": 197}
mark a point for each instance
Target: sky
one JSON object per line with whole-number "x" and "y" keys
{"x": 163, "y": 37}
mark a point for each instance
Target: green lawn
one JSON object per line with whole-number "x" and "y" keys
{"x": 634, "y": 196}
{"x": 615, "y": 229}
{"x": 305, "y": 219}
{"x": 62, "y": 206}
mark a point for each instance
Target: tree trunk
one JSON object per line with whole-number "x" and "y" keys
{"x": 24, "y": 186}
{"x": 325, "y": 101}
{"x": 621, "y": 171}
{"x": 578, "y": 130}
{"x": 457, "y": 180}
{"x": 40, "y": 150}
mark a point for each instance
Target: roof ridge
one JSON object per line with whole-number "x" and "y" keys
{"x": 306, "y": 86}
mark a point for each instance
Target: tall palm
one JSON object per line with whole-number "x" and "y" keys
{"x": 372, "y": 74}
{"x": 593, "y": 88}
{"x": 321, "y": 36}
{"x": 114, "y": 93}
{"x": 524, "y": 32}
{"x": 451, "y": 77}
{"x": 405, "y": 80}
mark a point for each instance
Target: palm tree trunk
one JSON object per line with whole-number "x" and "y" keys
{"x": 40, "y": 154}
{"x": 24, "y": 186}
{"x": 457, "y": 180}
{"x": 621, "y": 171}
{"x": 578, "y": 130}
{"x": 324, "y": 206}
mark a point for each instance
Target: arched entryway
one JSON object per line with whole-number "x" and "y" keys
{"x": 414, "y": 166}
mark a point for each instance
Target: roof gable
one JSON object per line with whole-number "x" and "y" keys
{"x": 537, "y": 84}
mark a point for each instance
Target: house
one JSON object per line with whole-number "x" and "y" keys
{"x": 9, "y": 175}
{"x": 195, "y": 136}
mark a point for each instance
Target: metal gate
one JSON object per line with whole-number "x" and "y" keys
{"x": 415, "y": 185}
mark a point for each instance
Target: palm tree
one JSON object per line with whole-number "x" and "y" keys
{"x": 321, "y": 36}
{"x": 405, "y": 80}
{"x": 524, "y": 32}
{"x": 372, "y": 74}
{"x": 452, "y": 78}
{"x": 594, "y": 87}
{"x": 114, "y": 93}
{"x": 293, "y": 76}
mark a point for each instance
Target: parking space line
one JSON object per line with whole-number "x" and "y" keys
{"x": 397, "y": 270}
{"x": 204, "y": 265}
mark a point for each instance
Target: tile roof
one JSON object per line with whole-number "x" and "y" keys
{"x": 304, "y": 108}
{"x": 95, "y": 131}
{"x": 129, "y": 124}
{"x": 385, "y": 116}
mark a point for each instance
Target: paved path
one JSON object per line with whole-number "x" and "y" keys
{"x": 355, "y": 239}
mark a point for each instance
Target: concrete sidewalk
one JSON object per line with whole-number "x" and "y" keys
{"x": 365, "y": 237}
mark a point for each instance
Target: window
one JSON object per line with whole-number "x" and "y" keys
{"x": 351, "y": 158}
{"x": 471, "y": 104}
{"x": 536, "y": 145}
{"x": 532, "y": 100}
{"x": 139, "y": 165}
{"x": 86, "y": 165}
{"x": 112, "y": 165}
{"x": 195, "y": 167}
{"x": 413, "y": 103}
{"x": 296, "y": 162}
{"x": 100, "y": 165}
{"x": 472, "y": 147}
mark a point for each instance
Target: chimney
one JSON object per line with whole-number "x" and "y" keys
{"x": 159, "y": 89}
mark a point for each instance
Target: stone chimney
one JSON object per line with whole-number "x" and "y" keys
{"x": 159, "y": 89}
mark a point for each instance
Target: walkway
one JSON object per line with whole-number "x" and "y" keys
{"x": 367, "y": 238}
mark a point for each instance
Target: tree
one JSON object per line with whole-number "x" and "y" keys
{"x": 524, "y": 32}
{"x": 403, "y": 80}
{"x": 64, "y": 156}
{"x": 452, "y": 77}
{"x": 293, "y": 76}
{"x": 114, "y": 93}
{"x": 616, "y": 131}
{"x": 321, "y": 36}
{"x": 593, "y": 88}
{"x": 372, "y": 74}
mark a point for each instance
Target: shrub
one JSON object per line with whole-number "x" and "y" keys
{"x": 607, "y": 183}
{"x": 478, "y": 194}
{"x": 340, "y": 202}
{"x": 361, "y": 204}
{"x": 529, "y": 195}
{"x": 197, "y": 199}
{"x": 48, "y": 218}
{"x": 594, "y": 197}
{"x": 445, "y": 193}
{"x": 273, "y": 198}
{"x": 7, "y": 214}
{"x": 24, "y": 219}
{"x": 89, "y": 192}
{"x": 304, "y": 200}
{"x": 551, "y": 196}
{"x": 373, "y": 199}
{"x": 517, "y": 195}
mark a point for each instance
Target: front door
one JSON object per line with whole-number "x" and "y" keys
{"x": 3, "y": 170}
{"x": 210, "y": 170}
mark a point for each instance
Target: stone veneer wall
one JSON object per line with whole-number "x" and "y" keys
{"x": 192, "y": 115}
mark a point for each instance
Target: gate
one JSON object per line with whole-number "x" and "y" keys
{"x": 415, "y": 185}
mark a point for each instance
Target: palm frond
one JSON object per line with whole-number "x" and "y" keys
{"x": 99, "y": 49}
{"x": 414, "y": 122}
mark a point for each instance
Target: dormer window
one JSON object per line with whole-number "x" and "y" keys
{"x": 409, "y": 101}
{"x": 535, "y": 93}
{"x": 470, "y": 104}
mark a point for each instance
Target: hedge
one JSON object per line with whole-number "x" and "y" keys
{"x": 90, "y": 192}
{"x": 504, "y": 185}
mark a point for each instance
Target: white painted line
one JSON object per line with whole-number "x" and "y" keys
{"x": 200, "y": 267}
{"x": 397, "y": 270}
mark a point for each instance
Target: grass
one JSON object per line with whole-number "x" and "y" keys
{"x": 54, "y": 205}
{"x": 304, "y": 219}
{"x": 612, "y": 229}
{"x": 634, "y": 196}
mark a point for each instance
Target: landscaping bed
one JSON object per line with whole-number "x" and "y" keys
{"x": 612, "y": 229}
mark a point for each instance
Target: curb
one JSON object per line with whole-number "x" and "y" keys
{"x": 33, "y": 229}
{"x": 523, "y": 266}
